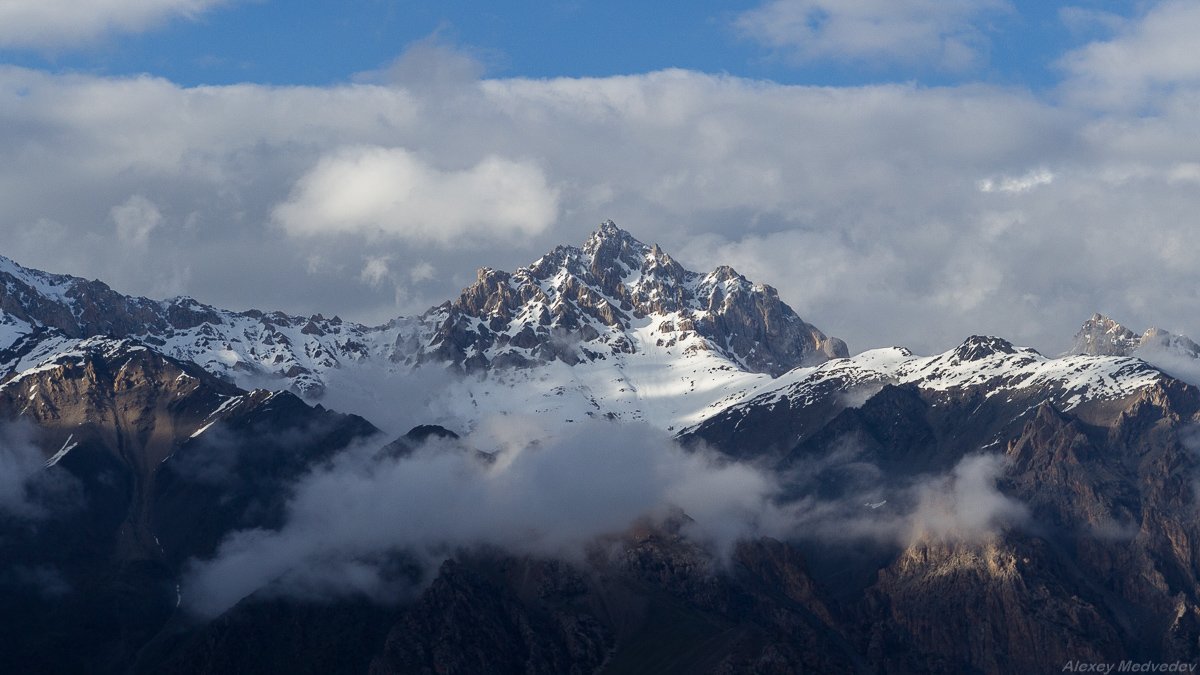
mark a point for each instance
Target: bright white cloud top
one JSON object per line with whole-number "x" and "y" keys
{"x": 382, "y": 192}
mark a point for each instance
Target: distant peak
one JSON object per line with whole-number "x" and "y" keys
{"x": 979, "y": 347}
{"x": 1103, "y": 336}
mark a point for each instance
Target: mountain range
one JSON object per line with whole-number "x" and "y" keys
{"x": 192, "y": 489}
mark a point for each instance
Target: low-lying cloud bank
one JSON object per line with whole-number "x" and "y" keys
{"x": 539, "y": 496}
{"x": 350, "y": 523}
{"x": 964, "y": 504}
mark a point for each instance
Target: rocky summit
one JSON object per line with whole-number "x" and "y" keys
{"x": 614, "y": 465}
{"x": 577, "y": 304}
{"x": 1100, "y": 335}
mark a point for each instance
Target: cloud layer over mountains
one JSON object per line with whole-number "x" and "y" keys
{"x": 892, "y": 213}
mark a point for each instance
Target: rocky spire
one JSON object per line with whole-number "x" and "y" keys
{"x": 579, "y": 303}
{"x": 1102, "y": 336}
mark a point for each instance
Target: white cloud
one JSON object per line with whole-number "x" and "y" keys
{"x": 861, "y": 204}
{"x": 135, "y": 219}
{"x": 58, "y": 23}
{"x": 1148, "y": 58}
{"x": 1084, "y": 20}
{"x": 942, "y": 33}
{"x": 381, "y": 192}
{"x": 542, "y": 496}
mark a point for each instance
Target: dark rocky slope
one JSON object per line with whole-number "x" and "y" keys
{"x": 91, "y": 568}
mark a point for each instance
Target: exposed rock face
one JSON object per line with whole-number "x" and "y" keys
{"x": 1102, "y": 336}
{"x": 581, "y": 303}
{"x": 993, "y": 607}
{"x": 81, "y": 308}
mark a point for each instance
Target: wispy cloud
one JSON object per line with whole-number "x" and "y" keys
{"x": 375, "y": 270}
{"x": 433, "y": 62}
{"x": 555, "y": 494}
{"x": 29, "y": 490}
{"x": 1017, "y": 184}
{"x": 966, "y": 505}
{"x": 940, "y": 33}
{"x": 135, "y": 219}
{"x": 20, "y": 461}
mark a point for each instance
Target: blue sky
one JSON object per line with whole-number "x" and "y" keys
{"x": 324, "y": 41}
{"x": 903, "y": 171}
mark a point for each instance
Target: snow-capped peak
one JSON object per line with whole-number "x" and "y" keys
{"x": 611, "y": 297}
{"x": 579, "y": 304}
